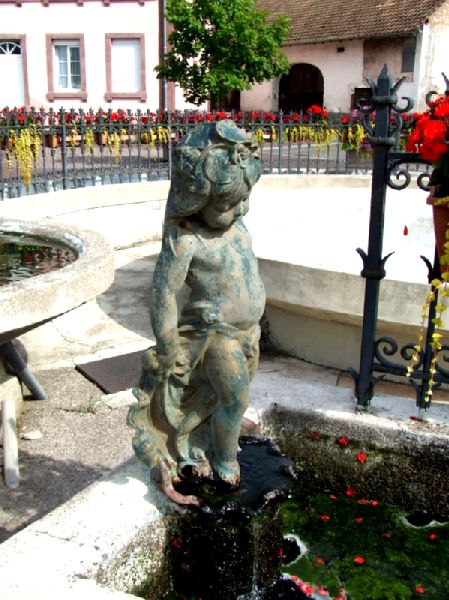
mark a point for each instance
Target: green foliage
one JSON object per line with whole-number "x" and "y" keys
{"x": 221, "y": 45}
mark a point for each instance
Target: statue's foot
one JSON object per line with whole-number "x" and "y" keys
{"x": 169, "y": 490}
{"x": 195, "y": 469}
{"x": 228, "y": 471}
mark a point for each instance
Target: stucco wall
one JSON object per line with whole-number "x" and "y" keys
{"x": 94, "y": 20}
{"x": 436, "y": 57}
{"x": 342, "y": 71}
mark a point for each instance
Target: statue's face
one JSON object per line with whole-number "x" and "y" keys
{"x": 223, "y": 210}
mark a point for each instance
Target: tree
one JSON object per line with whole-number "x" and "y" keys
{"x": 221, "y": 45}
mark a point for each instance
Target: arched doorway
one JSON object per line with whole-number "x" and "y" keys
{"x": 300, "y": 88}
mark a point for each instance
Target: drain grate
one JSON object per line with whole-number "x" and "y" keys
{"x": 114, "y": 374}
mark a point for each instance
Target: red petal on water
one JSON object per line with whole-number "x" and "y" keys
{"x": 419, "y": 589}
{"x": 361, "y": 457}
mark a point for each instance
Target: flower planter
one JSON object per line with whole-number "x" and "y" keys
{"x": 102, "y": 138}
{"x": 126, "y": 138}
{"x": 52, "y": 141}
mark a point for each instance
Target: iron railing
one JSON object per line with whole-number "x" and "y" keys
{"x": 390, "y": 168}
{"x": 44, "y": 151}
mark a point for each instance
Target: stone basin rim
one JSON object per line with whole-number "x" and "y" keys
{"x": 32, "y": 301}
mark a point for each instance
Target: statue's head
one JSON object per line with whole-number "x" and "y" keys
{"x": 214, "y": 164}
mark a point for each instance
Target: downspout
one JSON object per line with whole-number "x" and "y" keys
{"x": 164, "y": 99}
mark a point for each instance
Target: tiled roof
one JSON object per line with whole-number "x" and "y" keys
{"x": 327, "y": 20}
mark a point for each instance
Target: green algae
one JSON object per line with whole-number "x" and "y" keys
{"x": 366, "y": 547}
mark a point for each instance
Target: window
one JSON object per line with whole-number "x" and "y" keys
{"x": 10, "y": 47}
{"x": 125, "y": 67}
{"x": 66, "y": 67}
{"x": 14, "y": 71}
{"x": 408, "y": 55}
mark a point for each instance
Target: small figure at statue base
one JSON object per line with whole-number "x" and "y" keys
{"x": 194, "y": 386}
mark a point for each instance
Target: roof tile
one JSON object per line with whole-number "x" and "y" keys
{"x": 313, "y": 21}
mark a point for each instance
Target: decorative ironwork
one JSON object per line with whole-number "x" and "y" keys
{"x": 377, "y": 355}
{"x": 132, "y": 146}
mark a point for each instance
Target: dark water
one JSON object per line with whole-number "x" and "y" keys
{"x": 358, "y": 548}
{"x": 345, "y": 546}
{"x": 23, "y": 256}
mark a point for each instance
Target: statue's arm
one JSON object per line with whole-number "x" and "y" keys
{"x": 170, "y": 273}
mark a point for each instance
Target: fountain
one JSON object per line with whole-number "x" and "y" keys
{"x": 30, "y": 295}
{"x": 194, "y": 387}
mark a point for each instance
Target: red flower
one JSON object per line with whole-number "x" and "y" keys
{"x": 350, "y": 492}
{"x": 325, "y": 517}
{"x": 363, "y": 501}
{"x": 319, "y": 561}
{"x": 361, "y": 457}
{"x": 442, "y": 110}
{"x": 374, "y": 502}
{"x": 333, "y": 497}
{"x": 359, "y": 560}
{"x": 358, "y": 520}
{"x": 432, "y": 536}
{"x": 343, "y": 441}
{"x": 431, "y": 132}
{"x": 306, "y": 588}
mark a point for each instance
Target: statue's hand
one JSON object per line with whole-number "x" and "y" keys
{"x": 175, "y": 362}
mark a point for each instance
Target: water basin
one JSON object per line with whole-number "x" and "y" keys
{"x": 23, "y": 256}
{"x": 85, "y": 269}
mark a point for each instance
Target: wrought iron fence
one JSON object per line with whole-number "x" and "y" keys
{"x": 44, "y": 151}
{"x": 382, "y": 119}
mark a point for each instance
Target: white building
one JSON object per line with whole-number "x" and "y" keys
{"x": 83, "y": 53}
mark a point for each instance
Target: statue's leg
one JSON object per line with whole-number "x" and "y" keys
{"x": 227, "y": 371}
{"x": 188, "y": 455}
